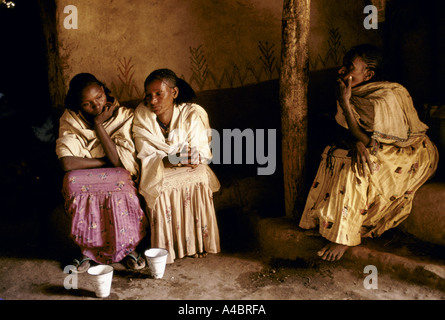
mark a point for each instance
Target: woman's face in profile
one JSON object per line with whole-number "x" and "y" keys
{"x": 159, "y": 97}
{"x": 357, "y": 69}
{"x": 93, "y": 100}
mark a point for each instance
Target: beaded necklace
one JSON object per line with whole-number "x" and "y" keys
{"x": 166, "y": 128}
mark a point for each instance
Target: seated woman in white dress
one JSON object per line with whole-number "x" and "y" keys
{"x": 178, "y": 190}
{"x": 97, "y": 153}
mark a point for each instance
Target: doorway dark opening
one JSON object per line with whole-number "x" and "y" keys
{"x": 28, "y": 166}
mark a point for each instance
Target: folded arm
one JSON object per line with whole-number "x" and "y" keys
{"x": 344, "y": 96}
{"x": 70, "y": 157}
{"x": 360, "y": 155}
{"x": 108, "y": 145}
{"x": 76, "y": 163}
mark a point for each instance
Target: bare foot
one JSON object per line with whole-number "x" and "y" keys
{"x": 134, "y": 261}
{"x": 199, "y": 255}
{"x": 82, "y": 264}
{"x": 332, "y": 251}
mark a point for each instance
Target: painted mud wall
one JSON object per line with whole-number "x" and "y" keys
{"x": 213, "y": 44}
{"x": 227, "y": 49}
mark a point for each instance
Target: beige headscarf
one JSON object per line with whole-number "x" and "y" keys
{"x": 78, "y": 138}
{"x": 387, "y": 111}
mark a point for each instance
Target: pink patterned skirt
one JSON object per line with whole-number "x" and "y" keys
{"x": 107, "y": 219}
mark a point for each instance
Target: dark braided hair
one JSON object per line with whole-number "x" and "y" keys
{"x": 185, "y": 91}
{"x": 77, "y": 84}
{"x": 371, "y": 55}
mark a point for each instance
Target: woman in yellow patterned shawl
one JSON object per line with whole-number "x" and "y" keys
{"x": 367, "y": 186}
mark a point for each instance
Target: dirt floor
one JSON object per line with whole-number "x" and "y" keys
{"x": 223, "y": 276}
{"x": 241, "y": 276}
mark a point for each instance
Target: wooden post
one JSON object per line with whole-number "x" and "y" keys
{"x": 57, "y": 88}
{"x": 293, "y": 100}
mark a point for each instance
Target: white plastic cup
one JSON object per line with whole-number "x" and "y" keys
{"x": 156, "y": 260}
{"x": 101, "y": 277}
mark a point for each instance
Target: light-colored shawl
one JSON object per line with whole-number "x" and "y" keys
{"x": 77, "y": 137}
{"x": 189, "y": 127}
{"x": 386, "y": 110}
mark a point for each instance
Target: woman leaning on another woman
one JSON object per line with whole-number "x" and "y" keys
{"x": 97, "y": 152}
{"x": 178, "y": 194}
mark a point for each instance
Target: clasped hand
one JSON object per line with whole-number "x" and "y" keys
{"x": 191, "y": 159}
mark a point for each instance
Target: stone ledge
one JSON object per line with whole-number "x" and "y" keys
{"x": 427, "y": 219}
{"x": 282, "y": 238}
